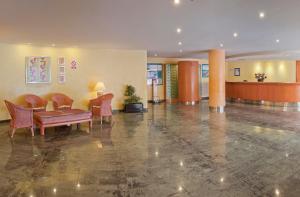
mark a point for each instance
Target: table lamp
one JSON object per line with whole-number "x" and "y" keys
{"x": 100, "y": 88}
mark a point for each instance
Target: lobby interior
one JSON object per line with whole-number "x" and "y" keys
{"x": 215, "y": 111}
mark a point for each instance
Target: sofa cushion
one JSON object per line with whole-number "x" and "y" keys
{"x": 61, "y": 116}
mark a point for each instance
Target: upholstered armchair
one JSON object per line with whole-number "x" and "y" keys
{"x": 61, "y": 102}
{"x": 20, "y": 117}
{"x": 101, "y": 106}
{"x": 36, "y": 103}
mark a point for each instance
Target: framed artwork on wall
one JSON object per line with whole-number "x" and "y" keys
{"x": 61, "y": 70}
{"x": 205, "y": 70}
{"x": 155, "y": 71}
{"x": 38, "y": 70}
{"x": 237, "y": 72}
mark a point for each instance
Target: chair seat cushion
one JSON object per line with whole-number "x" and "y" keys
{"x": 61, "y": 116}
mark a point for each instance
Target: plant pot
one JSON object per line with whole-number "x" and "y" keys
{"x": 134, "y": 108}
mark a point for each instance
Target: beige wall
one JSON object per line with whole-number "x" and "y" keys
{"x": 159, "y": 60}
{"x": 115, "y": 68}
{"x": 276, "y": 70}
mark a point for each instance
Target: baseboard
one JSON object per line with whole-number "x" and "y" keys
{"x": 159, "y": 101}
{"x": 116, "y": 111}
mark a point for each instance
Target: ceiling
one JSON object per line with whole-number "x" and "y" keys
{"x": 151, "y": 25}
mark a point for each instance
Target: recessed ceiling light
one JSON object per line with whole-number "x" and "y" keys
{"x": 262, "y": 15}
{"x": 180, "y": 51}
{"x": 53, "y": 45}
{"x": 178, "y": 30}
{"x": 277, "y": 40}
{"x": 176, "y": 2}
{"x": 155, "y": 55}
{"x": 179, "y": 43}
{"x": 180, "y": 188}
{"x": 221, "y": 45}
{"x": 222, "y": 179}
{"x": 235, "y": 34}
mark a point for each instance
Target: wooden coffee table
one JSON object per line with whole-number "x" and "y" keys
{"x": 61, "y": 117}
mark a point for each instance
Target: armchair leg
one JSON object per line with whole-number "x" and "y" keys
{"x": 13, "y": 132}
{"x": 111, "y": 120}
{"x": 32, "y": 131}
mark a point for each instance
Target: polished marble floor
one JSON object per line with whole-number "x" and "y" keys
{"x": 173, "y": 150}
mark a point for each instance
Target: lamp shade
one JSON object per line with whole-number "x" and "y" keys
{"x": 100, "y": 87}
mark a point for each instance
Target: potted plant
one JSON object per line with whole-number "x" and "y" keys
{"x": 132, "y": 102}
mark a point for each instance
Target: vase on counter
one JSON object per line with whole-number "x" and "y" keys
{"x": 260, "y": 77}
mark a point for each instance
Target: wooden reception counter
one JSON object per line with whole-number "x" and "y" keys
{"x": 255, "y": 91}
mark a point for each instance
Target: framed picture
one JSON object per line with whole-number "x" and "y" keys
{"x": 37, "y": 70}
{"x": 61, "y": 61}
{"x": 237, "y": 72}
{"x": 205, "y": 70}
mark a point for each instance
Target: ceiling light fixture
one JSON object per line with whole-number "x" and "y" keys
{"x": 176, "y": 2}
{"x": 262, "y": 15}
{"x": 155, "y": 55}
{"x": 180, "y": 51}
{"x": 178, "y": 30}
{"x": 53, "y": 45}
{"x": 222, "y": 45}
{"x": 235, "y": 35}
{"x": 277, "y": 40}
{"x": 180, "y": 43}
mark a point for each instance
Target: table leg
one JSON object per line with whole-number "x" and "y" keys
{"x": 42, "y": 130}
{"x": 90, "y": 125}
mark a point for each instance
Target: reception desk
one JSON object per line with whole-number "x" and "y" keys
{"x": 272, "y": 92}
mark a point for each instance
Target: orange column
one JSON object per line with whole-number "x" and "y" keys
{"x": 188, "y": 82}
{"x": 298, "y": 71}
{"x": 217, "y": 80}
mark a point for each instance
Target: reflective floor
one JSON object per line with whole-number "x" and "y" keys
{"x": 172, "y": 150}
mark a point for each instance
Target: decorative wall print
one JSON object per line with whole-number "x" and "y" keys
{"x": 205, "y": 70}
{"x": 74, "y": 64}
{"x": 38, "y": 70}
{"x": 237, "y": 72}
{"x": 61, "y": 70}
{"x": 154, "y": 71}
{"x": 61, "y": 61}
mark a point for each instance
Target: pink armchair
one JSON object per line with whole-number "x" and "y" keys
{"x": 61, "y": 102}
{"x": 20, "y": 117}
{"x": 36, "y": 103}
{"x": 101, "y": 106}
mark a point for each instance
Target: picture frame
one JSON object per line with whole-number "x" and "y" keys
{"x": 205, "y": 70}
{"x": 237, "y": 72}
{"x": 37, "y": 70}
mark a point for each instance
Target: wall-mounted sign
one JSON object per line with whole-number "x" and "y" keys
{"x": 205, "y": 70}
{"x": 154, "y": 71}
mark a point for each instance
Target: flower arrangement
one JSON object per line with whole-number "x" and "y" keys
{"x": 260, "y": 77}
